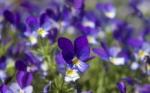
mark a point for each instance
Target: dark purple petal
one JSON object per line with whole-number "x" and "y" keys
{"x": 43, "y": 18}
{"x": 105, "y": 47}
{"x": 101, "y": 53}
{"x": 122, "y": 87}
{"x": 2, "y": 62}
{"x": 32, "y": 22}
{"x": 21, "y": 65}
{"x": 82, "y": 48}
{"x": 67, "y": 48}
{"x": 9, "y": 16}
{"x": 3, "y": 88}
{"x": 52, "y": 35}
{"x": 24, "y": 79}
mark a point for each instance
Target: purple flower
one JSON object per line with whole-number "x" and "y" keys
{"x": 110, "y": 54}
{"x": 142, "y": 89}
{"x": 77, "y": 4}
{"x": 3, "y": 88}
{"x": 70, "y": 73}
{"x": 75, "y": 55}
{"x": 2, "y": 62}
{"x": 122, "y": 87}
{"x": 29, "y": 63}
{"x": 108, "y": 9}
{"x": 15, "y": 19}
{"x": 24, "y": 79}
{"x": 37, "y": 28}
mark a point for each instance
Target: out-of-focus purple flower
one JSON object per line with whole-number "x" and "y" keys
{"x": 111, "y": 54}
{"x": 142, "y": 88}
{"x": 122, "y": 87}
{"x": 4, "y": 88}
{"x": 108, "y": 9}
{"x": 15, "y": 88}
{"x": 123, "y": 31}
{"x": 77, "y": 4}
{"x": 39, "y": 28}
{"x": 24, "y": 79}
{"x": 52, "y": 35}
{"x": 3, "y": 62}
{"x": 134, "y": 8}
{"x": 15, "y": 19}
{"x": 29, "y": 63}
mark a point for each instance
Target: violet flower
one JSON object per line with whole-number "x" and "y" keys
{"x": 72, "y": 59}
{"x": 23, "y": 85}
{"x": 121, "y": 86}
{"x": 110, "y": 54}
{"x": 35, "y": 29}
{"x": 3, "y": 88}
{"x": 108, "y": 9}
{"x": 142, "y": 88}
{"x": 75, "y": 55}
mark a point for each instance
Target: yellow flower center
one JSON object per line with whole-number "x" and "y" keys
{"x": 32, "y": 39}
{"x": 41, "y": 31}
{"x": 141, "y": 53}
{"x": 21, "y": 91}
{"x": 76, "y": 61}
{"x": 69, "y": 72}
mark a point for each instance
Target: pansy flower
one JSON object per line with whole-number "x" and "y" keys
{"x": 110, "y": 54}
{"x": 108, "y": 9}
{"x": 72, "y": 59}
{"x": 29, "y": 63}
{"x": 35, "y": 29}
{"x": 70, "y": 73}
{"x": 121, "y": 86}
{"x": 23, "y": 85}
{"x": 75, "y": 54}
{"x": 15, "y": 19}
{"x": 142, "y": 88}
{"x": 4, "y": 88}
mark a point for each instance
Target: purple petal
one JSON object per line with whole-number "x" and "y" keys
{"x": 52, "y": 35}
{"x": 143, "y": 89}
{"x": 82, "y": 48}
{"x": 67, "y": 48}
{"x": 3, "y": 88}
{"x": 9, "y": 16}
{"x": 61, "y": 63}
{"x": 78, "y": 4}
{"x": 101, "y": 53}
{"x": 21, "y": 65}
{"x": 32, "y": 22}
{"x": 81, "y": 67}
{"x": 136, "y": 43}
{"x": 2, "y": 62}
{"x": 122, "y": 87}
{"x": 24, "y": 79}
{"x": 43, "y": 18}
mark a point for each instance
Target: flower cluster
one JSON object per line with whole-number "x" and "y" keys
{"x": 56, "y": 46}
